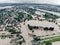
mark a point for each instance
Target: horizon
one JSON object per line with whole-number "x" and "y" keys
{"x": 54, "y": 2}
{"x": 28, "y": 3}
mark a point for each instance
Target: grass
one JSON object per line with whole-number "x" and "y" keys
{"x": 54, "y": 40}
{"x": 50, "y": 37}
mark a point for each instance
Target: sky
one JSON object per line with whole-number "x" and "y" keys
{"x": 32, "y": 1}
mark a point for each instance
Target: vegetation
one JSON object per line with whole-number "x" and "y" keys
{"x": 32, "y": 31}
{"x": 12, "y": 30}
{"x": 46, "y": 28}
{"x": 2, "y": 37}
{"x": 48, "y": 16}
{"x": 48, "y": 43}
{"x": 37, "y": 38}
{"x": 36, "y": 27}
{"x": 17, "y": 35}
{"x": 29, "y": 17}
{"x": 55, "y": 39}
{"x": 30, "y": 10}
{"x": 1, "y": 22}
{"x": 32, "y": 27}
{"x": 20, "y": 16}
{"x": 20, "y": 41}
{"x": 51, "y": 28}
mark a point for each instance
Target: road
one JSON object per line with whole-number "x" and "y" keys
{"x": 24, "y": 31}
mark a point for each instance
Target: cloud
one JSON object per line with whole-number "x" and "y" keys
{"x": 31, "y": 1}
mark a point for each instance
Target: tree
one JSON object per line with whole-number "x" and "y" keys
{"x": 30, "y": 27}
{"x": 46, "y": 28}
{"x": 51, "y": 28}
{"x": 35, "y": 27}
